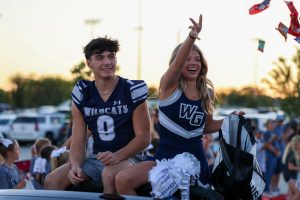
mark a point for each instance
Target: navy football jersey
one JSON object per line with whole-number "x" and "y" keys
{"x": 181, "y": 123}
{"x": 110, "y": 121}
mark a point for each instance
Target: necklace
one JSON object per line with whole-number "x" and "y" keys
{"x": 105, "y": 93}
{"x": 110, "y": 90}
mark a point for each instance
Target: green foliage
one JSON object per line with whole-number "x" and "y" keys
{"x": 246, "y": 97}
{"x": 4, "y": 96}
{"x": 80, "y": 71}
{"x": 28, "y": 92}
{"x": 284, "y": 80}
{"x": 153, "y": 93}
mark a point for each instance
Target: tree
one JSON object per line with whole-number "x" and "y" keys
{"x": 152, "y": 90}
{"x": 18, "y": 91}
{"x": 245, "y": 97}
{"x": 284, "y": 80}
{"x": 80, "y": 71}
{"x": 30, "y": 92}
{"x": 4, "y": 96}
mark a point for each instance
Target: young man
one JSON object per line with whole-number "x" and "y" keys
{"x": 116, "y": 112}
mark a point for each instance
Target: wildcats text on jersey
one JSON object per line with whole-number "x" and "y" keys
{"x": 113, "y": 110}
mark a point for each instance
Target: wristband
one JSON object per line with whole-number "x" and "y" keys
{"x": 194, "y": 35}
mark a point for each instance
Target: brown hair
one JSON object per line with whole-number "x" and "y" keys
{"x": 60, "y": 160}
{"x": 46, "y": 151}
{"x": 4, "y": 149}
{"x": 39, "y": 143}
{"x": 204, "y": 85}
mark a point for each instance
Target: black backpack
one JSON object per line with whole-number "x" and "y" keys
{"x": 236, "y": 173}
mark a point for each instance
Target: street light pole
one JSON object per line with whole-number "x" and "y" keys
{"x": 92, "y": 23}
{"x": 255, "y": 63}
{"x": 139, "y": 29}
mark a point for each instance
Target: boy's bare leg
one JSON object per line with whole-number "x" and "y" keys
{"x": 58, "y": 179}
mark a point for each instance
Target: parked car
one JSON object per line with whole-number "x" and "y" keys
{"x": 30, "y": 126}
{"x": 2, "y": 136}
{"x": 5, "y": 122}
{"x": 4, "y": 107}
{"x": 14, "y": 194}
{"x": 260, "y": 119}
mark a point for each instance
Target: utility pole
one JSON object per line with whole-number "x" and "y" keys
{"x": 255, "y": 62}
{"x": 255, "y": 85}
{"x": 139, "y": 29}
{"x": 92, "y": 22}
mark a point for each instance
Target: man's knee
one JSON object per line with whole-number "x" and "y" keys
{"x": 122, "y": 179}
{"x": 50, "y": 183}
{"x": 107, "y": 174}
{"x": 58, "y": 179}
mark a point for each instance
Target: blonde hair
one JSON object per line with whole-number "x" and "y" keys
{"x": 292, "y": 147}
{"x": 204, "y": 85}
{"x": 39, "y": 143}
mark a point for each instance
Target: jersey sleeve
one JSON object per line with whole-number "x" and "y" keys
{"x": 138, "y": 91}
{"x": 78, "y": 92}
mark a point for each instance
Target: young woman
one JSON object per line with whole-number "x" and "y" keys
{"x": 291, "y": 160}
{"x": 186, "y": 102}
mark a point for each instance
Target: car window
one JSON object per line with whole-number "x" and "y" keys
{"x": 56, "y": 120}
{"x": 41, "y": 119}
{"x": 4, "y": 121}
{"x": 26, "y": 120}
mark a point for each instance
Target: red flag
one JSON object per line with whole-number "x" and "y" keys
{"x": 294, "y": 28}
{"x": 292, "y": 8}
{"x": 257, "y": 8}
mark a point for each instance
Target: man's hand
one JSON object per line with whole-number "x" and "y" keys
{"x": 108, "y": 158}
{"x": 75, "y": 175}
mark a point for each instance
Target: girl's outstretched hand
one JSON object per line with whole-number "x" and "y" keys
{"x": 197, "y": 26}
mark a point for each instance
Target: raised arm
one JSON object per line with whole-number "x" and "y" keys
{"x": 169, "y": 80}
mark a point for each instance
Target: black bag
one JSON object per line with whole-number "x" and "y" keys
{"x": 200, "y": 193}
{"x": 233, "y": 174}
{"x": 196, "y": 193}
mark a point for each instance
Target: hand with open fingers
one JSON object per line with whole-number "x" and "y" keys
{"x": 75, "y": 175}
{"x": 108, "y": 158}
{"x": 195, "y": 28}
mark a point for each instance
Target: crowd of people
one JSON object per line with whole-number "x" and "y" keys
{"x": 116, "y": 140}
{"x": 45, "y": 158}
